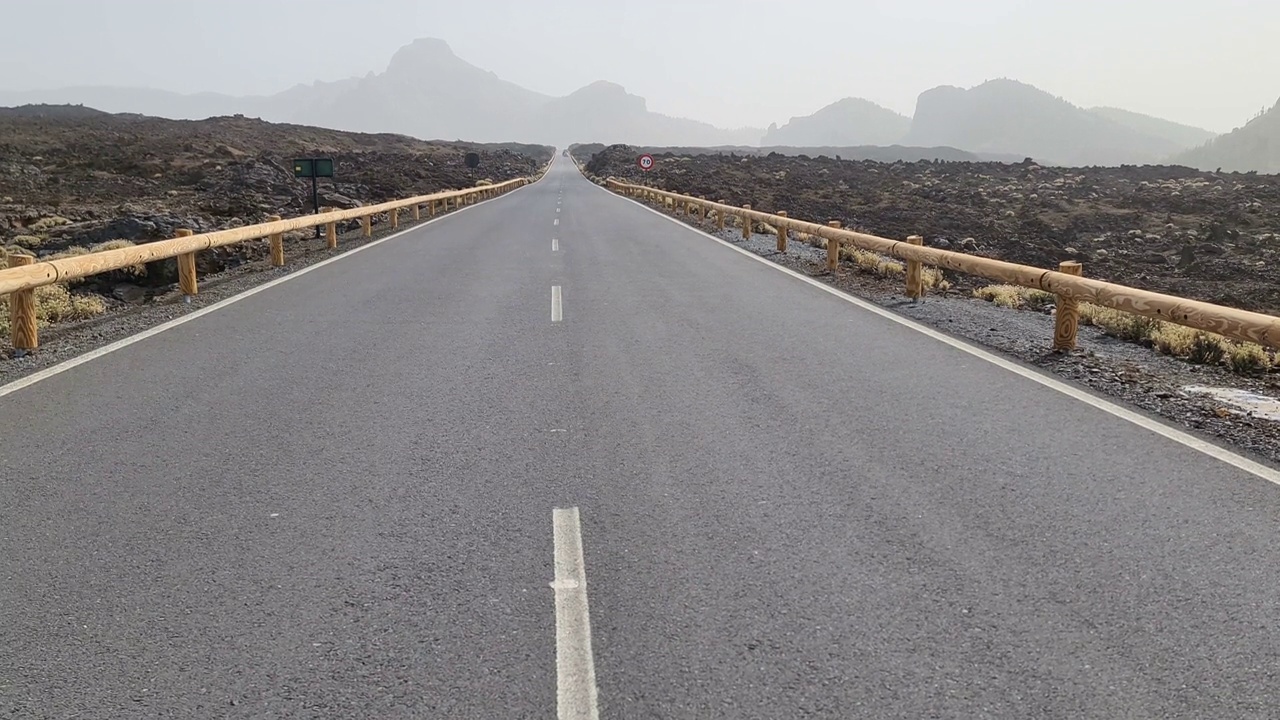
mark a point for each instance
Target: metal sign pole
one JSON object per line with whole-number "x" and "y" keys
{"x": 315, "y": 200}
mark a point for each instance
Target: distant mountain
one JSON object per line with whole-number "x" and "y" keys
{"x": 605, "y": 110}
{"x": 1180, "y": 137}
{"x": 1256, "y": 146}
{"x": 142, "y": 101}
{"x": 877, "y": 153}
{"x": 1006, "y": 116}
{"x": 427, "y": 92}
{"x": 847, "y": 122}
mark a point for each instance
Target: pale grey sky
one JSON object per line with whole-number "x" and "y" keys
{"x": 1212, "y": 63}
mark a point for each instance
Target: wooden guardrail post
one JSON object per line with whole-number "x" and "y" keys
{"x": 417, "y": 212}
{"x": 746, "y": 224}
{"x": 431, "y": 209}
{"x": 915, "y": 273}
{"x": 833, "y": 249}
{"x": 331, "y": 235}
{"x": 782, "y": 233}
{"x": 720, "y": 217}
{"x": 702, "y": 209}
{"x": 187, "y": 270}
{"x": 1066, "y": 313}
{"x": 395, "y": 218}
{"x": 366, "y": 224}
{"x": 277, "y": 245}
{"x": 22, "y": 313}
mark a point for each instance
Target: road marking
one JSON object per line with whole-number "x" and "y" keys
{"x": 576, "y": 696}
{"x": 557, "y": 211}
{"x": 557, "y": 222}
{"x": 557, "y": 311}
{"x": 555, "y": 245}
{"x": 1158, "y": 427}
{"x": 66, "y": 365}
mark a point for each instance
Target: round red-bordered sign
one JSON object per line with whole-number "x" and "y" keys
{"x": 645, "y": 162}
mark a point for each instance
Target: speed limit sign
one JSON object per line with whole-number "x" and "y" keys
{"x": 645, "y": 162}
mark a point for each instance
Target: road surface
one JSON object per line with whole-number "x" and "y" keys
{"x": 362, "y": 493}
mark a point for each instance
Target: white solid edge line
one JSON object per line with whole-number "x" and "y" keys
{"x": 66, "y": 365}
{"x": 557, "y": 308}
{"x": 1243, "y": 463}
{"x": 576, "y": 694}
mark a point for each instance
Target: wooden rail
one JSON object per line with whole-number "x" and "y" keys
{"x": 25, "y": 274}
{"x": 1066, "y": 282}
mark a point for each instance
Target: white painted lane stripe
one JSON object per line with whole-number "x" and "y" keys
{"x": 555, "y": 245}
{"x": 557, "y": 222}
{"x": 66, "y": 365}
{"x": 576, "y": 696}
{"x": 1167, "y": 431}
{"x": 557, "y": 311}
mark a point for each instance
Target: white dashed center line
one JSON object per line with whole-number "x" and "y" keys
{"x": 555, "y": 245}
{"x": 557, "y": 311}
{"x": 576, "y": 697}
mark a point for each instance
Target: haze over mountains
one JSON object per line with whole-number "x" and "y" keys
{"x": 428, "y": 92}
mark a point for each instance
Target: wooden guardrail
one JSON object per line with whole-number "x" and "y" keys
{"x": 26, "y": 273}
{"x": 1066, "y": 282}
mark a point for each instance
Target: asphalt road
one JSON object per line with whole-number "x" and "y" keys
{"x": 335, "y": 499}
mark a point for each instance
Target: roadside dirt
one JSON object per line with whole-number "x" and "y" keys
{"x": 1209, "y": 236}
{"x": 72, "y": 178}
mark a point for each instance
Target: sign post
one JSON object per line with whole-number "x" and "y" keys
{"x": 314, "y": 168}
{"x": 645, "y": 162}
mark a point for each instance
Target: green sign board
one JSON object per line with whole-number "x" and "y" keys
{"x": 313, "y": 167}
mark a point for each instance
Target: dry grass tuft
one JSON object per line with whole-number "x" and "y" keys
{"x": 934, "y": 279}
{"x": 1122, "y": 325}
{"x": 1248, "y": 359}
{"x": 1175, "y": 340}
{"x": 30, "y": 242}
{"x": 139, "y": 270}
{"x": 46, "y": 224}
{"x": 73, "y": 251}
{"x": 1208, "y": 349}
{"x": 1015, "y": 297}
{"x": 54, "y": 304}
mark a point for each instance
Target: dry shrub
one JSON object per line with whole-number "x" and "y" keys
{"x": 1248, "y": 359}
{"x": 1008, "y": 296}
{"x": 934, "y": 279}
{"x": 1122, "y": 325}
{"x": 48, "y": 223}
{"x": 54, "y": 304}
{"x": 139, "y": 270}
{"x": 1207, "y": 349}
{"x": 1175, "y": 340}
{"x": 73, "y": 251}
{"x": 30, "y": 242}
{"x": 1197, "y": 346}
{"x": 1015, "y": 296}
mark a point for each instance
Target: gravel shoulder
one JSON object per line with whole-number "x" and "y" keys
{"x": 1124, "y": 371}
{"x": 65, "y": 341}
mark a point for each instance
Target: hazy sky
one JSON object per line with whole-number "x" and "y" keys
{"x": 1212, "y": 63}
